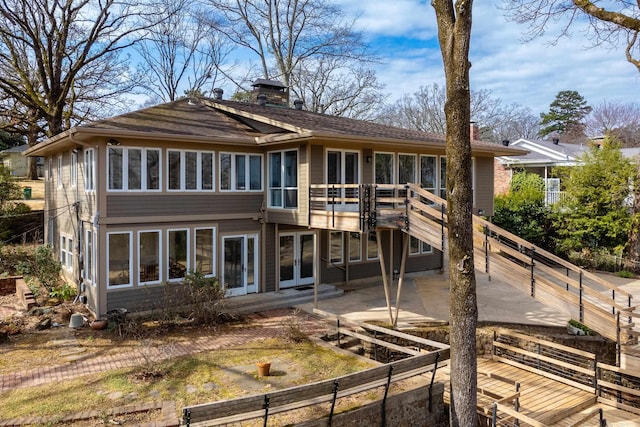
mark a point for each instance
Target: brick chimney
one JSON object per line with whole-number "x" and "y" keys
{"x": 270, "y": 92}
{"x": 474, "y": 131}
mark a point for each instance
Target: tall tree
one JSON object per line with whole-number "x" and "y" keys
{"x": 454, "y": 35}
{"x": 621, "y": 120}
{"x": 308, "y": 38}
{"x": 60, "y": 61}
{"x": 424, "y": 110}
{"x": 337, "y": 86}
{"x": 612, "y": 23}
{"x": 566, "y": 115}
{"x": 181, "y": 54}
{"x": 595, "y": 210}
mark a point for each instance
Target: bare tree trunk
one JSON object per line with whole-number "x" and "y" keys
{"x": 454, "y": 33}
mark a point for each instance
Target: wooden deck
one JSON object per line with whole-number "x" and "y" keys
{"x": 545, "y": 401}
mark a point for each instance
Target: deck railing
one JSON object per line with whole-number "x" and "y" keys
{"x": 548, "y": 278}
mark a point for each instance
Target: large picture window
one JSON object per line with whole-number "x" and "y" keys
{"x": 119, "y": 259}
{"x": 133, "y": 169}
{"x": 428, "y": 173}
{"x": 149, "y": 248}
{"x": 283, "y": 179}
{"x": 178, "y": 251}
{"x": 240, "y": 172}
{"x": 343, "y": 167}
{"x": 190, "y": 170}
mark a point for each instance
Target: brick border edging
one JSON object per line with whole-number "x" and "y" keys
{"x": 167, "y": 408}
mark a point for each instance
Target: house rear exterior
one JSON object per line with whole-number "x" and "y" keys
{"x": 261, "y": 196}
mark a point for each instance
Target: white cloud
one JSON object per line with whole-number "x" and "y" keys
{"x": 530, "y": 74}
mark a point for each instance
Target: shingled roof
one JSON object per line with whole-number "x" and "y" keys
{"x": 209, "y": 120}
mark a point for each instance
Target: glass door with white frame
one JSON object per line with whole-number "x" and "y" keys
{"x": 296, "y": 259}
{"x": 240, "y": 264}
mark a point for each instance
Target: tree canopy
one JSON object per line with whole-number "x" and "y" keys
{"x": 616, "y": 22}
{"x": 566, "y": 115}
{"x": 595, "y": 212}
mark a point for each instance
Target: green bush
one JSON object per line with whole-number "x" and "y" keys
{"x": 32, "y": 262}
{"x": 66, "y": 292}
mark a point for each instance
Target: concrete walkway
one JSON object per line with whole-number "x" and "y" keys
{"x": 425, "y": 299}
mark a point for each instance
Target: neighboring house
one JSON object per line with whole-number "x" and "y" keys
{"x": 542, "y": 157}
{"x": 251, "y": 193}
{"x": 13, "y": 160}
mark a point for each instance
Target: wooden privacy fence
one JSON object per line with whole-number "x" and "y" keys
{"x": 289, "y": 399}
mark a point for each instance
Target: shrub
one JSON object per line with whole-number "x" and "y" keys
{"x": 65, "y": 292}
{"x": 198, "y": 299}
{"x": 38, "y": 263}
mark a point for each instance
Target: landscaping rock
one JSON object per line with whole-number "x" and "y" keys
{"x": 43, "y": 324}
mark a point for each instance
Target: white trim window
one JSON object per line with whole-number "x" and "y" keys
{"x": 443, "y": 177}
{"x": 205, "y": 250}
{"x": 372, "y": 246}
{"x": 240, "y": 172}
{"x": 406, "y": 168}
{"x": 133, "y": 169}
{"x": 66, "y": 252}
{"x": 89, "y": 256}
{"x": 59, "y": 174}
{"x": 178, "y": 254}
{"x": 418, "y": 247}
{"x": 149, "y": 257}
{"x": 336, "y": 247}
{"x": 283, "y": 179}
{"x": 355, "y": 246}
{"x": 429, "y": 173}
{"x": 383, "y": 168}
{"x": 89, "y": 170}
{"x": 119, "y": 255}
{"x": 74, "y": 169}
{"x": 190, "y": 170}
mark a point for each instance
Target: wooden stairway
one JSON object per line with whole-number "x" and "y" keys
{"x": 587, "y": 298}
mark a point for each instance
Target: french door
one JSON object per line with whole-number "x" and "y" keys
{"x": 296, "y": 259}
{"x": 240, "y": 264}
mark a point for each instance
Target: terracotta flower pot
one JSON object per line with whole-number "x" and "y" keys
{"x": 99, "y": 324}
{"x": 263, "y": 369}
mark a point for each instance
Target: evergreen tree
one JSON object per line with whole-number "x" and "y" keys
{"x": 566, "y": 114}
{"x": 596, "y": 213}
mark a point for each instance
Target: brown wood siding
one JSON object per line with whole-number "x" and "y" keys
{"x": 484, "y": 185}
{"x": 141, "y": 204}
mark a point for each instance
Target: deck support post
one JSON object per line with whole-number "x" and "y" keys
{"x": 405, "y": 252}
{"x": 383, "y": 272}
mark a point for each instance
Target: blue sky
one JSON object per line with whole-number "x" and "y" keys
{"x": 403, "y": 32}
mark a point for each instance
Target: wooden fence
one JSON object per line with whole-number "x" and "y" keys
{"x": 265, "y": 405}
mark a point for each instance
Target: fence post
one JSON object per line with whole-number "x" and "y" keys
{"x": 333, "y": 206}
{"x": 533, "y": 277}
{"x": 384, "y": 399}
{"x": 266, "y": 409}
{"x": 494, "y": 415}
{"x": 516, "y": 405}
{"x": 486, "y": 250}
{"x": 333, "y": 402}
{"x": 581, "y": 303}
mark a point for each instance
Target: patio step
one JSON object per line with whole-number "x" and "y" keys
{"x": 283, "y": 298}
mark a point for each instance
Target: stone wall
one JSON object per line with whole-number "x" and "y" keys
{"x": 8, "y": 285}
{"x": 409, "y": 408}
